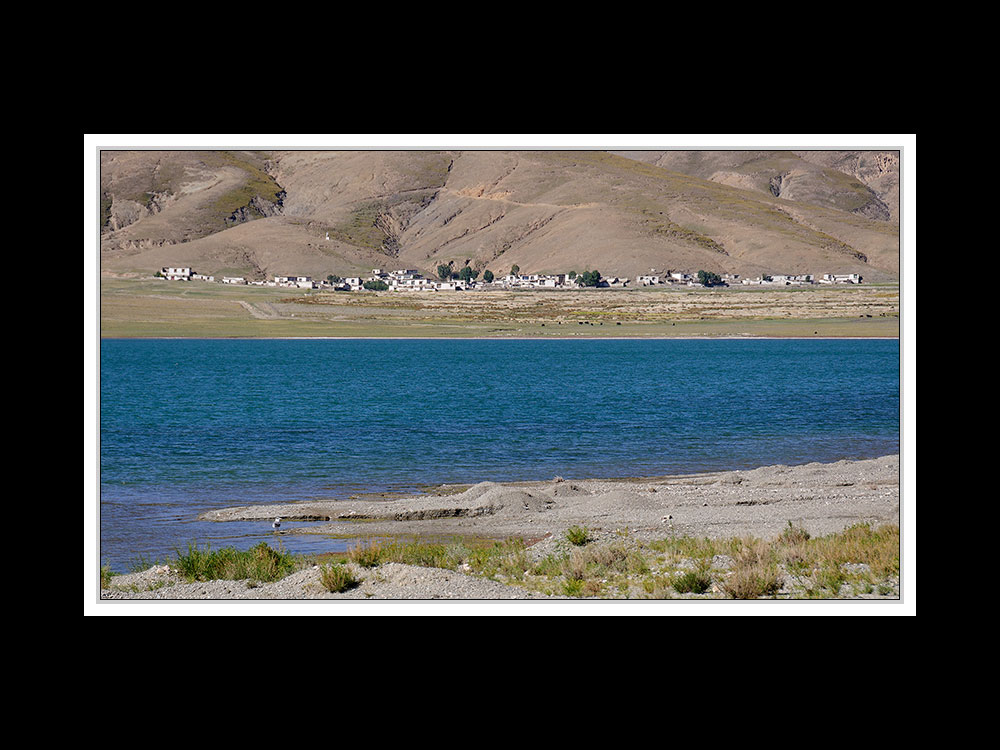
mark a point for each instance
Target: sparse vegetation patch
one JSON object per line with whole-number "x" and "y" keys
{"x": 860, "y": 562}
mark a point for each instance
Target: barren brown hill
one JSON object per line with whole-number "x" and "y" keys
{"x": 865, "y": 183}
{"x": 345, "y": 212}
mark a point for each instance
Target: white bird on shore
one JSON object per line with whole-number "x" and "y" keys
{"x": 277, "y": 524}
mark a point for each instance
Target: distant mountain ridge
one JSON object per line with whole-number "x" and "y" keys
{"x": 315, "y": 213}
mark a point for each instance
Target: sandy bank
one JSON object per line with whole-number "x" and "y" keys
{"x": 822, "y": 498}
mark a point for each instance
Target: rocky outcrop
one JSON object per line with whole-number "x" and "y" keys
{"x": 125, "y": 211}
{"x": 776, "y": 184}
{"x": 257, "y": 208}
{"x": 875, "y": 209}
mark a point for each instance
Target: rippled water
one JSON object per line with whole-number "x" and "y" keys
{"x": 189, "y": 425}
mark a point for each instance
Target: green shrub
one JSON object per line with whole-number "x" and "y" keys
{"x": 337, "y": 578}
{"x": 577, "y": 535}
{"x": 707, "y": 278}
{"x": 693, "y": 582}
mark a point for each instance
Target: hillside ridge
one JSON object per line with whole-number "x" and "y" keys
{"x": 623, "y": 213}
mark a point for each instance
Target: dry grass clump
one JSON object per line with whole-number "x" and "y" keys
{"x": 878, "y": 548}
{"x": 602, "y": 561}
{"x": 337, "y": 578}
{"x": 691, "y": 548}
{"x": 755, "y": 571}
{"x": 793, "y": 535}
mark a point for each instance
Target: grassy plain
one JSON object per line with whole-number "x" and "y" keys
{"x": 155, "y": 308}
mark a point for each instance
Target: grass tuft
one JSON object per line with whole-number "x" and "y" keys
{"x": 577, "y": 535}
{"x": 693, "y": 582}
{"x": 337, "y": 578}
{"x": 260, "y": 563}
{"x": 106, "y": 576}
{"x": 755, "y": 571}
{"x": 793, "y": 535}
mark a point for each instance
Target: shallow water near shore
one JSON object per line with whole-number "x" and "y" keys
{"x": 191, "y": 425}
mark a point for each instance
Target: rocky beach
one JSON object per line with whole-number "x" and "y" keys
{"x": 760, "y": 503}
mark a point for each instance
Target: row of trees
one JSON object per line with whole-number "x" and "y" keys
{"x": 587, "y": 278}
{"x": 446, "y": 271}
{"x": 468, "y": 273}
{"x": 707, "y": 278}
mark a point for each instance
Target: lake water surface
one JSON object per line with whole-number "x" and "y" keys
{"x": 190, "y": 425}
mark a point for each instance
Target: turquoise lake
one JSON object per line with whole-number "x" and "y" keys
{"x": 191, "y": 425}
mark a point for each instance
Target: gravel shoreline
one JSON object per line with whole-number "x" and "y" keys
{"x": 821, "y": 498}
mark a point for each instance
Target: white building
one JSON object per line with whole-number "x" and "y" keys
{"x": 787, "y": 279}
{"x": 411, "y": 284}
{"x": 176, "y": 274}
{"x": 233, "y": 280}
{"x": 841, "y": 278}
{"x": 302, "y": 282}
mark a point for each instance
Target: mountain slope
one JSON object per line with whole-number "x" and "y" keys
{"x": 860, "y": 182}
{"x": 345, "y": 212}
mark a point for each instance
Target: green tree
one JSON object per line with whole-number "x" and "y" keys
{"x": 515, "y": 270}
{"x": 707, "y": 278}
{"x": 467, "y": 274}
{"x": 376, "y": 286}
{"x": 444, "y": 272}
{"x": 333, "y": 278}
{"x": 487, "y": 276}
{"x": 589, "y": 278}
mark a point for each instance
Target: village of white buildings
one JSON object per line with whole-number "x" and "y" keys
{"x": 404, "y": 280}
